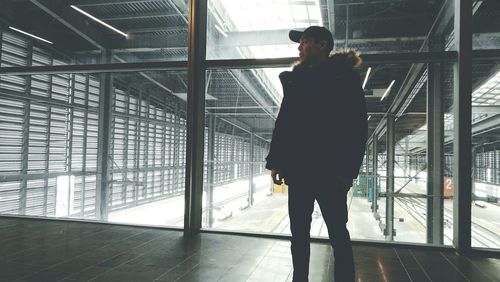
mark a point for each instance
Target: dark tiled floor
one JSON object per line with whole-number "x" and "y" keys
{"x": 41, "y": 250}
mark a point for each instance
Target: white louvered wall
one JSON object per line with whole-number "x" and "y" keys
{"x": 49, "y": 141}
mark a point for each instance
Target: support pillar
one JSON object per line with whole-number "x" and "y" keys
{"x": 195, "y": 116}
{"x": 435, "y": 139}
{"x": 367, "y": 167}
{"x": 251, "y": 170}
{"x": 374, "y": 178}
{"x": 389, "y": 207}
{"x": 104, "y": 141}
{"x": 209, "y": 201}
{"x": 462, "y": 114}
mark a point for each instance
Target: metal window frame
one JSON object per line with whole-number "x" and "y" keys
{"x": 195, "y": 116}
{"x": 462, "y": 130}
{"x": 435, "y": 158}
{"x": 25, "y": 145}
{"x": 389, "y": 206}
{"x": 194, "y": 150}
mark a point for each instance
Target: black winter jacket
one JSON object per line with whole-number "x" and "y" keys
{"x": 322, "y": 125}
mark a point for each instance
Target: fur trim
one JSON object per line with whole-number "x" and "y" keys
{"x": 347, "y": 57}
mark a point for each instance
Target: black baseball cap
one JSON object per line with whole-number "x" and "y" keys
{"x": 313, "y": 32}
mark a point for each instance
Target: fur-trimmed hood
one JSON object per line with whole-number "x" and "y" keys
{"x": 343, "y": 59}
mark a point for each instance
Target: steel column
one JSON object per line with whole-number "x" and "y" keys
{"x": 26, "y": 133}
{"x": 195, "y": 116}
{"x": 69, "y": 144}
{"x": 210, "y": 172}
{"x": 146, "y": 175}
{"x": 367, "y": 167}
{"x": 389, "y": 207}
{"x": 84, "y": 144}
{"x": 462, "y": 113}
{"x": 179, "y": 185}
{"x": 138, "y": 153}
{"x": 374, "y": 176}
{"x": 251, "y": 170}
{"x": 407, "y": 166}
{"x": 103, "y": 146}
{"x": 495, "y": 167}
{"x": 164, "y": 184}
{"x": 435, "y": 139}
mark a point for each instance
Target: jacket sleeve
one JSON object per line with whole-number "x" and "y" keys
{"x": 274, "y": 159}
{"x": 357, "y": 132}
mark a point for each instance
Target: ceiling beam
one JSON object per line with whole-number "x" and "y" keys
{"x": 482, "y": 127}
{"x": 140, "y": 41}
{"x": 236, "y": 107}
{"x": 483, "y": 109}
{"x": 73, "y": 21}
{"x": 280, "y": 37}
{"x": 140, "y": 16}
{"x": 443, "y": 18}
{"x": 86, "y": 3}
{"x": 486, "y": 125}
{"x": 250, "y": 88}
{"x": 247, "y": 115}
{"x": 487, "y": 40}
{"x": 493, "y": 109}
{"x": 179, "y": 6}
{"x": 374, "y": 2}
{"x": 156, "y": 29}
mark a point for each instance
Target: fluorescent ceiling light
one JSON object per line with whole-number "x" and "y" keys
{"x": 30, "y": 35}
{"x": 220, "y": 30}
{"x": 366, "y": 77}
{"x": 99, "y": 21}
{"x": 388, "y": 90}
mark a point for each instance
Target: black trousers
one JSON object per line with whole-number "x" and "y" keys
{"x": 332, "y": 199}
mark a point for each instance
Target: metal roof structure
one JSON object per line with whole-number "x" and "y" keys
{"x": 157, "y": 31}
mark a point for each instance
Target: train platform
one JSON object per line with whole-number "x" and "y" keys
{"x": 269, "y": 214}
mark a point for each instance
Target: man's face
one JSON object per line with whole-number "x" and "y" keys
{"x": 311, "y": 50}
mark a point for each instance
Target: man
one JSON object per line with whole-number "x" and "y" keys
{"x": 318, "y": 144}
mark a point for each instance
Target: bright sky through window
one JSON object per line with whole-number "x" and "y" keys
{"x": 488, "y": 93}
{"x": 266, "y": 15}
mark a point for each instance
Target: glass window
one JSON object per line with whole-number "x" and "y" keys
{"x": 259, "y": 28}
{"x": 133, "y": 31}
{"x": 49, "y": 152}
{"x": 485, "y": 101}
{"x": 242, "y": 105}
{"x": 240, "y": 120}
{"x": 485, "y": 152}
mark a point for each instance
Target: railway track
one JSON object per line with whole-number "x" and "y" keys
{"x": 417, "y": 208}
{"x": 180, "y": 219}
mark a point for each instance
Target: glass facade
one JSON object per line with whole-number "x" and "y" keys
{"x": 485, "y": 154}
{"x": 241, "y": 106}
{"x": 259, "y": 28}
{"x": 485, "y": 169}
{"x": 240, "y": 118}
{"x": 53, "y": 141}
{"x": 114, "y": 141}
{"x": 134, "y": 31}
